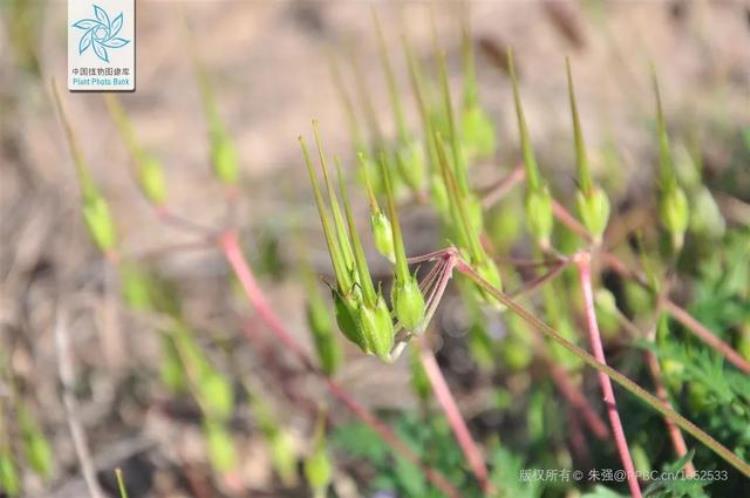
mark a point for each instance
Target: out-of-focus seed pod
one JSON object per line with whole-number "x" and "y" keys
{"x": 317, "y": 466}
{"x": 377, "y": 328}
{"x": 439, "y": 196}
{"x": 477, "y": 130}
{"x": 151, "y": 180}
{"x": 216, "y": 395}
{"x": 219, "y": 446}
{"x": 672, "y": 370}
{"x": 224, "y": 158}
{"x": 36, "y": 448}
{"x": 135, "y": 287}
{"x": 171, "y": 370}
{"x": 538, "y": 205}
{"x": 96, "y": 214}
{"x": 606, "y": 313}
{"x": 675, "y": 214}
{"x": 673, "y": 204}
{"x": 478, "y": 133}
{"x": 99, "y": 222}
{"x": 593, "y": 207}
{"x": 382, "y": 236}
{"x": 321, "y": 326}
{"x": 705, "y": 216}
{"x": 408, "y": 303}
{"x": 149, "y": 172}
{"x": 284, "y": 456}
{"x": 515, "y": 354}
{"x": 10, "y": 481}
{"x": 410, "y": 159}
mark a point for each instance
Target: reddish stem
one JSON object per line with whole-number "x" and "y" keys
{"x": 229, "y": 244}
{"x": 448, "y": 404}
{"x": 583, "y": 262}
{"x": 705, "y": 335}
{"x": 678, "y": 441}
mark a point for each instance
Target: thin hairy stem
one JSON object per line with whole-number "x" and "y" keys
{"x": 583, "y": 262}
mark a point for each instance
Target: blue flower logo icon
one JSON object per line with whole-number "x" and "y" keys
{"x": 100, "y": 33}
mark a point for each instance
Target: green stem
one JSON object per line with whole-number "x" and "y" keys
{"x": 402, "y": 267}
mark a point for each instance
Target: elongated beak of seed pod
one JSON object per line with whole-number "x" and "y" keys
{"x": 96, "y": 213}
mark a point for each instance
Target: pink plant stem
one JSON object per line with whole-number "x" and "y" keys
{"x": 229, "y": 244}
{"x": 678, "y": 441}
{"x": 455, "y": 419}
{"x": 583, "y": 261}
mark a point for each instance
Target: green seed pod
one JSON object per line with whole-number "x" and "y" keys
{"x": 410, "y": 159}
{"x": 216, "y": 395}
{"x": 439, "y": 194}
{"x": 675, "y": 214}
{"x": 705, "y": 216}
{"x": 516, "y": 354}
{"x": 36, "y": 448}
{"x": 382, "y": 235}
{"x": 171, "y": 370}
{"x": 220, "y": 447}
{"x": 151, "y": 180}
{"x": 408, "y": 303}
{"x": 607, "y": 313}
{"x": 224, "y": 158}
{"x": 538, "y": 204}
{"x": 345, "y": 308}
{"x": 320, "y": 323}
{"x": 99, "y": 222}
{"x": 377, "y": 328}
{"x": 318, "y": 468}
{"x": 10, "y": 482}
{"x": 284, "y": 457}
{"x": 594, "y": 211}
{"x": 478, "y": 133}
